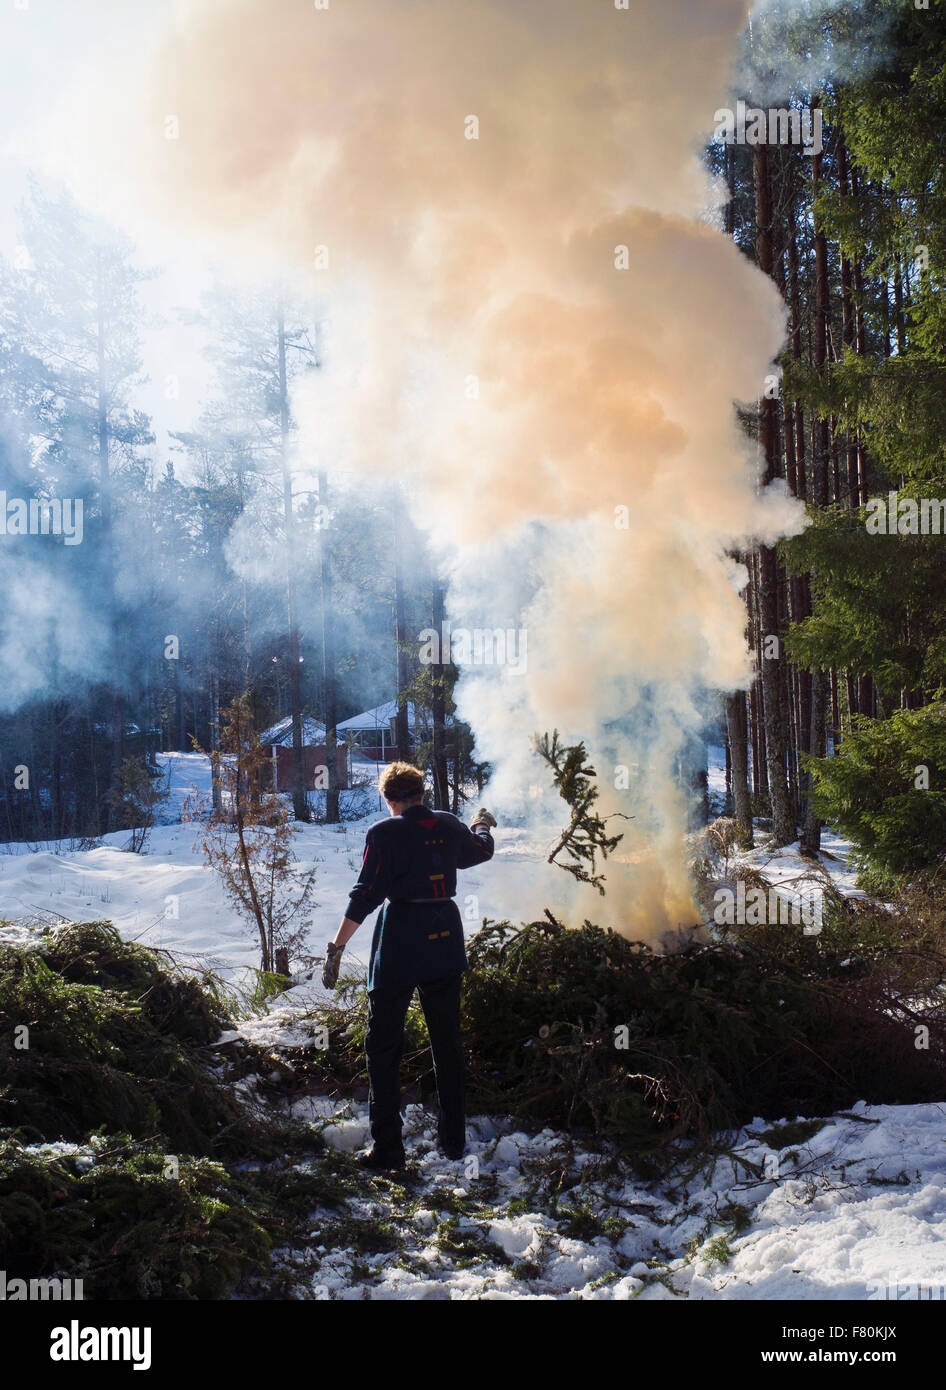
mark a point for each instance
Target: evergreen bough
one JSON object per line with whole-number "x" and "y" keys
{"x": 127, "y": 1159}
{"x": 586, "y": 834}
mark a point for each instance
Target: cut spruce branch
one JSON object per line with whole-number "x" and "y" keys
{"x": 586, "y": 835}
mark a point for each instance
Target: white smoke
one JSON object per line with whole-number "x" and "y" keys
{"x": 531, "y": 320}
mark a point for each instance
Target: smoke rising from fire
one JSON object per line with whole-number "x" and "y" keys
{"x": 532, "y": 318}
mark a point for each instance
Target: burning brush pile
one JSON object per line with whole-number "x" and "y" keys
{"x": 580, "y": 1029}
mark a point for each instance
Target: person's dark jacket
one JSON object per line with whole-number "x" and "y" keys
{"x": 416, "y": 855}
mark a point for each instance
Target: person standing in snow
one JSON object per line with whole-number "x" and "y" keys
{"x": 410, "y": 865}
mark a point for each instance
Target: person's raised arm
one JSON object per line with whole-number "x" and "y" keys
{"x": 476, "y": 843}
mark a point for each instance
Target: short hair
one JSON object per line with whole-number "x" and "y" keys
{"x": 401, "y": 782}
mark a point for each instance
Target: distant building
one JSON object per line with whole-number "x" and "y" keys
{"x": 278, "y": 739}
{"x": 369, "y": 737}
{"x": 281, "y": 733}
{"x": 372, "y": 735}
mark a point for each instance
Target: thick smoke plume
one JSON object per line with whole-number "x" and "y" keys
{"x": 530, "y": 317}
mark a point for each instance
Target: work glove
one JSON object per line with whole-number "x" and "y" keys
{"x": 333, "y": 959}
{"x": 483, "y": 817}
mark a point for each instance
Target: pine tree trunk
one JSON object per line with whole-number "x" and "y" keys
{"x": 835, "y": 464}
{"x": 738, "y": 704}
{"x": 738, "y": 741}
{"x": 898, "y": 302}
{"x": 835, "y": 713}
{"x": 860, "y": 336}
{"x": 300, "y": 804}
{"x": 457, "y": 770}
{"x": 215, "y": 791}
{"x": 438, "y": 707}
{"x": 760, "y": 785}
{"x": 811, "y": 835}
{"x": 849, "y": 337}
{"x": 851, "y": 687}
{"x": 773, "y": 662}
{"x": 801, "y": 584}
{"x": 329, "y": 679}
{"x": 811, "y": 838}
{"x": 180, "y": 715}
{"x": 865, "y": 691}
{"x": 402, "y": 723}
{"x": 106, "y": 814}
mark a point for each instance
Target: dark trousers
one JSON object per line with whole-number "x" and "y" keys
{"x": 387, "y": 1010}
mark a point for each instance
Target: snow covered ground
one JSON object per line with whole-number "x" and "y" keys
{"x": 848, "y": 1212}
{"x": 166, "y": 897}
{"x": 857, "y": 1211}
{"x": 849, "y": 1207}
